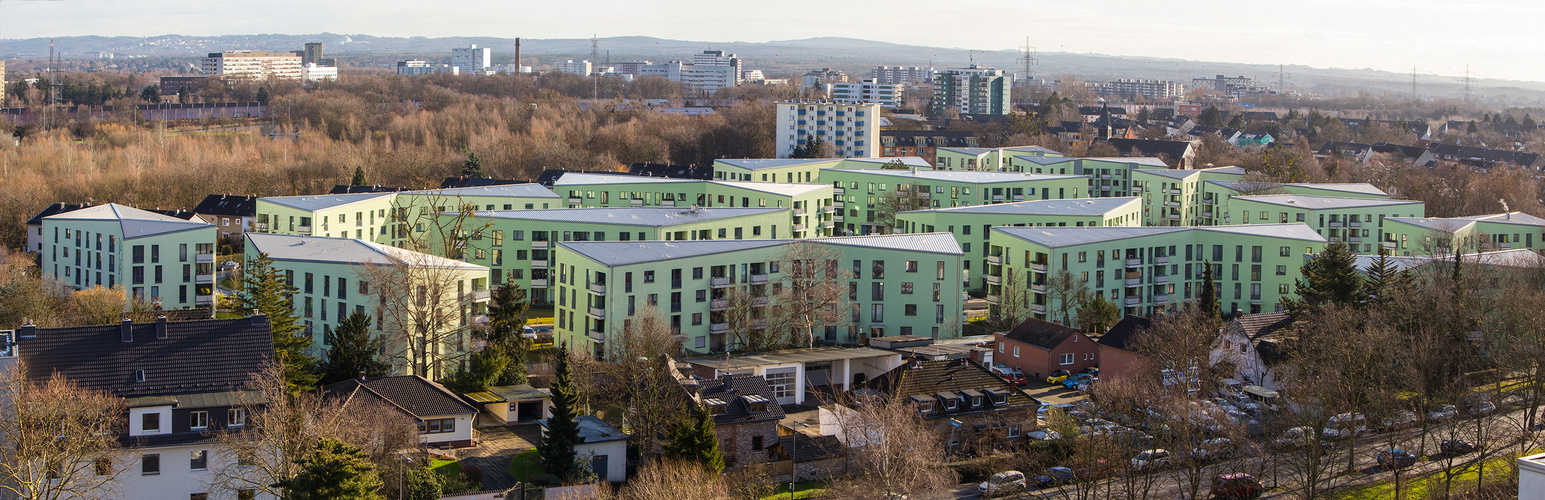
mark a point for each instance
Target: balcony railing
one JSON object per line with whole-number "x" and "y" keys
{"x": 203, "y": 299}
{"x": 759, "y": 302}
{"x": 1134, "y": 262}
{"x": 993, "y": 299}
{"x": 837, "y": 218}
{"x": 1335, "y": 224}
{"x": 306, "y": 230}
{"x": 799, "y": 212}
{"x": 204, "y": 258}
{"x": 718, "y": 304}
{"x": 668, "y": 203}
{"x": 575, "y": 200}
{"x": 1038, "y": 288}
{"x": 261, "y": 227}
{"x": 719, "y": 282}
{"x": 204, "y": 279}
{"x": 1132, "y": 301}
{"x": 1134, "y": 281}
{"x": 718, "y": 328}
{"x": 597, "y": 313}
{"x": 1161, "y": 299}
{"x": 596, "y": 335}
{"x": 636, "y": 203}
{"x": 1038, "y": 308}
{"x": 997, "y": 197}
{"x": 1354, "y": 224}
{"x": 539, "y": 264}
{"x": 1038, "y": 267}
{"x": 757, "y": 279}
{"x": 828, "y": 224}
{"x": 839, "y": 191}
{"x": 1161, "y": 260}
{"x": 542, "y": 283}
{"x": 799, "y": 227}
{"x": 995, "y": 260}
{"x": 993, "y": 280}
{"x": 1019, "y": 197}
{"x": 539, "y": 245}
{"x": 1161, "y": 279}
{"x": 1174, "y": 190}
{"x": 598, "y": 288}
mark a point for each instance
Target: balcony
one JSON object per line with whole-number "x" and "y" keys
{"x": 1389, "y": 244}
{"x": 719, "y": 282}
{"x": 1161, "y": 279}
{"x": 1504, "y": 246}
{"x": 993, "y": 280}
{"x": 718, "y": 328}
{"x": 539, "y": 283}
{"x": 305, "y": 230}
{"x": 1335, "y": 224}
{"x": 203, "y": 299}
{"x": 539, "y": 264}
{"x": 1209, "y": 201}
{"x": 799, "y": 227}
{"x": 718, "y": 305}
{"x": 1357, "y": 239}
{"x": 1354, "y": 224}
{"x": 924, "y": 195}
{"x": 994, "y": 260}
{"x": 757, "y": 279}
{"x": 839, "y": 204}
{"x": 997, "y": 198}
{"x": 574, "y": 200}
{"x": 1104, "y": 177}
{"x": 1038, "y": 288}
{"x": 1172, "y": 204}
{"x": 636, "y": 203}
{"x": 1161, "y": 299}
{"x": 799, "y": 212}
{"x": 1207, "y": 214}
{"x": 668, "y": 203}
{"x": 828, "y": 224}
{"x": 1105, "y": 188}
{"x": 1159, "y": 261}
{"x": 837, "y": 218}
{"x": 539, "y": 245}
{"x": 1019, "y": 197}
{"x": 829, "y": 209}
{"x": 1174, "y": 191}
{"x": 1173, "y": 216}
{"x": 839, "y": 191}
{"x": 1134, "y": 281}
{"x": 1134, "y": 262}
{"x": 759, "y": 302}
{"x": 598, "y": 288}
{"x": 597, "y": 313}
{"x": 993, "y": 299}
{"x": 204, "y": 258}
{"x": 1132, "y": 301}
{"x": 261, "y": 227}
{"x": 596, "y": 335}
{"x": 204, "y": 279}
{"x": 1038, "y": 308}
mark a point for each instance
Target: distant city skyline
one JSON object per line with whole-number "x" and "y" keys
{"x": 1493, "y": 37}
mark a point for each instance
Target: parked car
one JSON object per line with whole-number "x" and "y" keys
{"x": 1002, "y": 483}
{"x": 1093, "y": 370}
{"x": 1456, "y": 447}
{"x": 1044, "y": 435}
{"x": 1079, "y": 381}
{"x": 1055, "y": 476}
{"x": 230, "y": 265}
{"x": 1300, "y": 437}
{"x": 1479, "y": 404}
{"x": 1395, "y": 458}
{"x": 1444, "y": 412}
{"x": 1008, "y": 373}
{"x": 528, "y": 332}
{"x": 1399, "y": 420}
{"x": 1214, "y": 449}
{"x": 1346, "y": 425}
{"x": 1238, "y": 486}
{"x": 1151, "y": 459}
{"x": 1057, "y": 377}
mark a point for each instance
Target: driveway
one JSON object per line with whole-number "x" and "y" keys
{"x": 1053, "y": 394}
{"x": 498, "y": 446}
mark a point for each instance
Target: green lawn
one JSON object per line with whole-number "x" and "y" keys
{"x": 807, "y": 489}
{"x": 449, "y": 469}
{"x": 1420, "y": 486}
{"x": 524, "y": 465}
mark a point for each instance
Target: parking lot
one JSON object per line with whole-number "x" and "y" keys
{"x": 1053, "y": 394}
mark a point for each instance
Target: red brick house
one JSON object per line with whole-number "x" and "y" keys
{"x": 1039, "y": 347}
{"x": 745, "y": 417}
{"x": 1117, "y": 356}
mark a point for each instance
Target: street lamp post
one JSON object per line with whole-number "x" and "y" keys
{"x": 794, "y": 457}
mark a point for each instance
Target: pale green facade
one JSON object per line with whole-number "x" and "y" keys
{"x": 1173, "y": 197}
{"x": 898, "y": 285}
{"x": 158, "y": 258}
{"x": 517, "y": 245}
{"x": 987, "y": 159}
{"x": 798, "y": 170}
{"x": 1145, "y": 270}
{"x": 1415, "y": 236}
{"x": 1107, "y": 176}
{"x": 810, "y": 205}
{"x": 1216, "y": 195}
{"x": 973, "y": 225}
{"x": 859, "y": 191}
{"x": 1357, "y": 222}
{"x": 363, "y": 216}
{"x": 332, "y": 280}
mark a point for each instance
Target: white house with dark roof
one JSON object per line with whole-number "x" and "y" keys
{"x": 158, "y": 258}
{"x": 444, "y": 420}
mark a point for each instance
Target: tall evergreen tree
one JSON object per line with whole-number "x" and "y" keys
{"x": 1208, "y": 296}
{"x": 269, "y": 292}
{"x": 506, "y": 324}
{"x": 473, "y": 167}
{"x": 359, "y": 177}
{"x": 1095, "y": 314}
{"x": 334, "y": 471}
{"x": 1329, "y": 278}
{"x": 1382, "y": 279}
{"x": 150, "y": 94}
{"x": 262, "y": 95}
{"x": 557, "y": 446}
{"x": 693, "y": 439}
{"x": 354, "y": 350}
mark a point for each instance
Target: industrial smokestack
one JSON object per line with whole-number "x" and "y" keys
{"x": 517, "y": 55}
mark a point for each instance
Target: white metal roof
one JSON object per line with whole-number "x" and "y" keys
{"x": 1079, "y": 206}
{"x": 1055, "y": 237}
{"x": 526, "y": 190}
{"x": 778, "y": 188}
{"x": 969, "y": 176}
{"x": 583, "y": 179}
{"x": 346, "y": 251}
{"x": 133, "y": 222}
{"x": 1297, "y": 231}
{"x": 638, "y": 216}
{"x": 312, "y": 203}
{"x": 910, "y": 161}
{"x": 1452, "y": 224}
{"x": 1521, "y": 257}
{"x": 1181, "y": 174}
{"x": 618, "y": 253}
{"x": 766, "y": 163}
{"x": 1349, "y": 187}
{"x": 1324, "y": 202}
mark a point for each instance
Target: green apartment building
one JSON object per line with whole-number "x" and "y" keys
{"x": 896, "y": 285}
{"x": 1145, "y": 270}
{"x": 158, "y": 258}
{"x": 1173, "y": 197}
{"x": 364, "y": 216}
{"x": 1358, "y": 222}
{"x": 1419, "y": 236}
{"x": 1216, "y": 195}
{"x": 973, "y": 225}
{"x": 799, "y": 170}
{"x": 810, "y": 204}
{"x": 988, "y": 159}
{"x": 860, "y": 192}
{"x": 1107, "y": 176}
{"x": 517, "y": 245}
{"x": 337, "y": 276}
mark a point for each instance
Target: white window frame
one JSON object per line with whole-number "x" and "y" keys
{"x": 1067, "y": 359}
{"x": 1016, "y": 351}
{"x": 198, "y": 420}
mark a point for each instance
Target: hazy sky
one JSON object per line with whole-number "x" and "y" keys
{"x": 1497, "y": 38}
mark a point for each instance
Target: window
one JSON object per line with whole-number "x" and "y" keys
{"x": 649, "y": 276}
{"x": 150, "y": 422}
{"x": 236, "y": 417}
{"x": 911, "y": 266}
{"x": 782, "y": 384}
{"x": 756, "y": 443}
{"x": 198, "y": 496}
{"x": 1013, "y": 431}
{"x": 150, "y": 464}
{"x": 1286, "y": 252}
{"x": 198, "y": 420}
{"x": 906, "y": 288}
{"x": 1016, "y": 351}
{"x": 1067, "y": 359}
{"x": 437, "y": 426}
{"x": 198, "y": 460}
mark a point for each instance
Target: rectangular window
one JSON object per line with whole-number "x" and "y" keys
{"x": 235, "y": 417}
{"x": 1067, "y": 359}
{"x": 198, "y": 420}
{"x": 150, "y": 422}
{"x": 198, "y": 460}
{"x": 150, "y": 464}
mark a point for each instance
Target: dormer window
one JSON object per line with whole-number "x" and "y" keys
{"x": 139, "y": 376}
{"x": 150, "y": 422}
{"x": 951, "y": 402}
{"x": 998, "y": 397}
{"x": 755, "y": 403}
{"x": 924, "y": 404}
{"x": 716, "y": 406}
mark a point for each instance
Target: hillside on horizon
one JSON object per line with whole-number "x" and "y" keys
{"x": 790, "y": 58}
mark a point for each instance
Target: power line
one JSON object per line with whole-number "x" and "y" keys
{"x": 1028, "y": 58}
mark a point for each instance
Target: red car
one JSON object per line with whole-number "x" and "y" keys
{"x": 1010, "y": 374}
{"x": 1239, "y": 486}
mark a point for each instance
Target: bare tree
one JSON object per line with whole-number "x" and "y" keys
{"x": 676, "y": 480}
{"x": 811, "y": 291}
{"x": 903, "y": 199}
{"x": 892, "y": 451}
{"x": 57, "y": 440}
{"x": 639, "y": 376}
{"x": 1065, "y": 291}
{"x": 424, "y": 303}
{"x": 1013, "y": 299}
{"x": 439, "y": 223}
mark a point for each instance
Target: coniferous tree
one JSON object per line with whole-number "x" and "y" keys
{"x": 473, "y": 167}
{"x": 557, "y": 446}
{"x": 359, "y": 177}
{"x": 269, "y": 292}
{"x": 506, "y": 325}
{"x": 1095, "y": 314}
{"x": 1208, "y": 297}
{"x": 1382, "y": 278}
{"x": 333, "y": 471}
{"x": 1328, "y": 278}
{"x": 150, "y": 94}
{"x": 262, "y": 95}
{"x": 693, "y": 439}
{"x": 354, "y": 350}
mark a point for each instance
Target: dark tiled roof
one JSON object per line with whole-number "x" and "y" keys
{"x": 342, "y": 189}
{"x": 929, "y": 138}
{"x": 1124, "y": 334}
{"x": 812, "y": 448}
{"x": 671, "y": 171}
{"x": 463, "y": 181}
{"x": 737, "y": 410}
{"x": 1337, "y": 147}
{"x": 1259, "y": 115}
{"x": 1042, "y": 334}
{"x": 179, "y": 213}
{"x": 412, "y": 393}
{"x": 195, "y": 357}
{"x": 224, "y": 204}
{"x": 1410, "y": 152}
{"x": 929, "y": 378}
{"x": 1487, "y": 155}
{"x": 1260, "y": 326}
{"x": 55, "y": 209}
